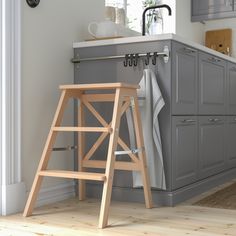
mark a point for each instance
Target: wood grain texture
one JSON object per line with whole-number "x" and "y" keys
{"x": 46, "y": 154}
{"x": 123, "y": 95}
{"x": 73, "y": 217}
{"x": 99, "y": 86}
{"x": 220, "y": 40}
{"x": 73, "y": 175}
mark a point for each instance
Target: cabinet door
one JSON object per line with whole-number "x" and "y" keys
{"x": 184, "y": 79}
{"x": 214, "y": 9}
{"x": 230, "y": 142}
{"x": 212, "y": 82}
{"x": 203, "y": 7}
{"x": 211, "y": 145}
{"x": 231, "y": 89}
{"x": 184, "y": 150}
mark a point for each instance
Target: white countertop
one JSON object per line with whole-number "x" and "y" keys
{"x": 160, "y": 37}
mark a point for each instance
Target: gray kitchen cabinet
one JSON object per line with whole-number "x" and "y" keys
{"x": 207, "y": 10}
{"x": 184, "y": 150}
{"x": 211, "y": 145}
{"x": 230, "y": 141}
{"x": 184, "y": 79}
{"x": 212, "y": 84}
{"x": 231, "y": 89}
{"x": 197, "y": 125}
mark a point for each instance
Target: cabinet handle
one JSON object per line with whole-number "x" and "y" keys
{"x": 188, "y": 121}
{"x": 214, "y": 120}
{"x": 214, "y": 59}
{"x": 233, "y": 68}
{"x": 189, "y": 50}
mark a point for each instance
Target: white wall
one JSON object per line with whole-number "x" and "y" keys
{"x": 47, "y": 35}
{"x": 184, "y": 27}
{"x": 221, "y": 24}
{"x": 169, "y": 21}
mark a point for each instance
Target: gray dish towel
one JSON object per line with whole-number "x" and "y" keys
{"x": 150, "y": 104}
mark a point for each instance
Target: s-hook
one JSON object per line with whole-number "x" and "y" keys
{"x": 147, "y": 59}
{"x": 154, "y": 58}
{"x": 33, "y": 3}
{"x": 126, "y": 60}
{"x": 136, "y": 59}
{"x": 131, "y": 60}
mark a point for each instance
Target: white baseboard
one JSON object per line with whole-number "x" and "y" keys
{"x": 13, "y": 198}
{"x": 56, "y": 193}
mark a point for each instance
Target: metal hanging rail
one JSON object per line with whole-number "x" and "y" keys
{"x": 130, "y": 59}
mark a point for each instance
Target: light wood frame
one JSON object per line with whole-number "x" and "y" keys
{"x": 122, "y": 97}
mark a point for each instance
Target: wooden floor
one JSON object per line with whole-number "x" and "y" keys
{"x": 72, "y": 217}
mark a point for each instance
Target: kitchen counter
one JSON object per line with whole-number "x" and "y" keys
{"x": 197, "y": 123}
{"x": 153, "y": 38}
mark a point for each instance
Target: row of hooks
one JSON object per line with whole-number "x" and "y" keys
{"x": 132, "y": 59}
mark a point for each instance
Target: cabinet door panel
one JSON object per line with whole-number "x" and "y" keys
{"x": 231, "y": 89}
{"x": 184, "y": 150}
{"x": 184, "y": 80}
{"x": 211, "y": 145}
{"x": 203, "y": 7}
{"x": 230, "y": 142}
{"x": 212, "y": 82}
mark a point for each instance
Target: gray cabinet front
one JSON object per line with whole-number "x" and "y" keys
{"x": 184, "y": 150}
{"x": 206, "y": 10}
{"x": 211, "y": 145}
{"x": 230, "y": 141}
{"x": 231, "y": 89}
{"x": 184, "y": 79}
{"x": 212, "y": 82}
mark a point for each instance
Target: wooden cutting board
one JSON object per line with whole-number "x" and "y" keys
{"x": 220, "y": 40}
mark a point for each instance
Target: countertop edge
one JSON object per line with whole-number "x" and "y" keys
{"x": 161, "y": 37}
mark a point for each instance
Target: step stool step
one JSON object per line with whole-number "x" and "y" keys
{"x": 73, "y": 175}
{"x": 84, "y": 129}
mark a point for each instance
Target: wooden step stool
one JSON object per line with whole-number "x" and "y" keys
{"x": 124, "y": 96}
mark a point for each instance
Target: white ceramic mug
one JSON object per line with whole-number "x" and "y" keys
{"x": 103, "y": 29}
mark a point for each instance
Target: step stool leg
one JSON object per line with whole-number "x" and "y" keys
{"x": 110, "y": 164}
{"x": 82, "y": 186}
{"x": 142, "y": 155}
{"x": 45, "y": 155}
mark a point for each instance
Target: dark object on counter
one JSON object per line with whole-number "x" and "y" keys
{"x": 149, "y": 8}
{"x": 33, "y": 3}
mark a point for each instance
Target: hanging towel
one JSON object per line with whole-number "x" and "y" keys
{"x": 150, "y": 104}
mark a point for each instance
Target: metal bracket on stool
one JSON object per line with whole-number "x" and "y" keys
{"x": 68, "y": 148}
{"x": 132, "y": 104}
{"x": 131, "y": 151}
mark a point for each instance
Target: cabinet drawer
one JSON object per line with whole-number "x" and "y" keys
{"x": 212, "y": 84}
{"x": 211, "y": 145}
{"x": 184, "y": 151}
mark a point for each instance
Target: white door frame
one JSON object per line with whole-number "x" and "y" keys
{"x": 1, "y": 106}
{"x": 12, "y": 188}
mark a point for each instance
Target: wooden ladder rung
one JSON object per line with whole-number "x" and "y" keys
{"x": 73, "y": 175}
{"x": 83, "y": 129}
